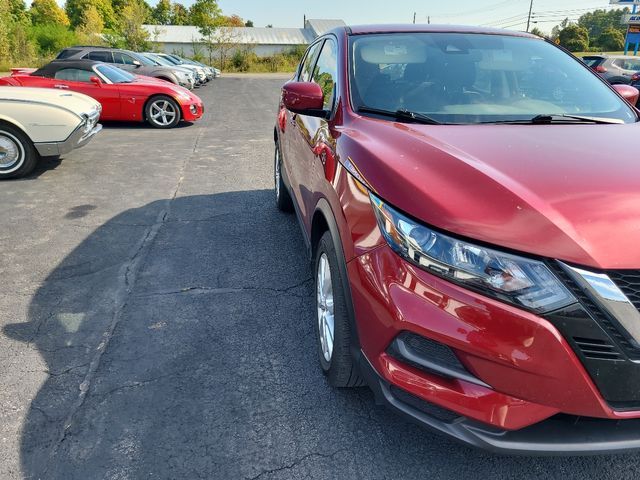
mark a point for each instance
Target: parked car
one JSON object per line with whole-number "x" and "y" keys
{"x": 616, "y": 69}
{"x": 126, "y": 60}
{"x": 199, "y": 75}
{"x": 172, "y": 59}
{"x": 207, "y": 71}
{"x": 36, "y": 122}
{"x": 123, "y": 96}
{"x": 474, "y": 252}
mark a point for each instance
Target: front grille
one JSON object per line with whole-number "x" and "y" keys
{"x": 600, "y": 316}
{"x": 629, "y": 282}
{"x": 597, "y": 349}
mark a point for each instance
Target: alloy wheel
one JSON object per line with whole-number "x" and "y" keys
{"x": 163, "y": 112}
{"x": 276, "y": 170}
{"x": 324, "y": 297}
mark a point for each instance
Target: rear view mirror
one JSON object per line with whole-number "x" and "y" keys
{"x": 137, "y": 63}
{"x": 629, "y": 93}
{"x": 304, "y": 98}
{"x": 96, "y": 81}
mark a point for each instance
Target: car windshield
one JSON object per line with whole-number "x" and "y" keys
{"x": 475, "y": 78}
{"x": 591, "y": 61}
{"x": 114, "y": 74}
{"x": 159, "y": 60}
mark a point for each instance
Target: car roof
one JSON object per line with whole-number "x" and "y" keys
{"x": 52, "y": 67}
{"x": 429, "y": 28}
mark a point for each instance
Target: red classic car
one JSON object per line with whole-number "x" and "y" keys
{"x": 123, "y": 96}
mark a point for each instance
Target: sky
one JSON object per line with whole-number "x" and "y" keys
{"x": 500, "y": 13}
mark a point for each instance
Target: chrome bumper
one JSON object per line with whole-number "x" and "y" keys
{"x": 77, "y": 139}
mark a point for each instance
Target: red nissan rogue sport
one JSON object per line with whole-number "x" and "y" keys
{"x": 476, "y": 250}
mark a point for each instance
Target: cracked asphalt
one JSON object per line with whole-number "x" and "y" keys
{"x": 156, "y": 323}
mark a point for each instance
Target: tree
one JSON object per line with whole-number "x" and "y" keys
{"x": 537, "y": 31}
{"x": 45, "y": 12}
{"x": 249, "y": 23}
{"x": 206, "y": 15}
{"x": 91, "y": 26}
{"x": 598, "y": 21}
{"x": 555, "y": 31}
{"x": 610, "y": 39}
{"x": 133, "y": 15}
{"x": 162, "y": 13}
{"x": 574, "y": 38}
{"x": 76, "y": 8}
{"x": 179, "y": 15}
{"x": 5, "y": 30}
{"x": 232, "y": 21}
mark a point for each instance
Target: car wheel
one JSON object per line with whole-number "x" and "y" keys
{"x": 162, "y": 112}
{"x": 333, "y": 331}
{"x": 18, "y": 157}
{"x": 283, "y": 199}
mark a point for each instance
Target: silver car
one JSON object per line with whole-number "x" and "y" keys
{"x": 126, "y": 60}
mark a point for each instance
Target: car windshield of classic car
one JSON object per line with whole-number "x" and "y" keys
{"x": 477, "y": 78}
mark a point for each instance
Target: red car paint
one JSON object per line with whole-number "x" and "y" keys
{"x": 566, "y": 192}
{"x": 120, "y": 101}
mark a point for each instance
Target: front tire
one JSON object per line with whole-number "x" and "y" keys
{"x": 162, "y": 112}
{"x": 18, "y": 156}
{"x": 283, "y": 198}
{"x": 333, "y": 330}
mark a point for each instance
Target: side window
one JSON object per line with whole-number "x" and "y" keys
{"x": 100, "y": 56}
{"x": 325, "y": 73}
{"x": 73, "y": 75}
{"x": 122, "y": 58}
{"x": 307, "y": 63}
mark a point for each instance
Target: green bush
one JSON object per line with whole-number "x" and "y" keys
{"x": 51, "y": 38}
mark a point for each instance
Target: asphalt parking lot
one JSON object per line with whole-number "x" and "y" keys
{"x": 156, "y": 322}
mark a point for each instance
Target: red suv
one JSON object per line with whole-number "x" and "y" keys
{"x": 476, "y": 252}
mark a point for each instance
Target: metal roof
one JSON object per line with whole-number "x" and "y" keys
{"x": 239, "y": 35}
{"x": 320, "y": 26}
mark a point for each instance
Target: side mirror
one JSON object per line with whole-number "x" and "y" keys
{"x": 629, "y": 93}
{"x": 137, "y": 63}
{"x": 96, "y": 81}
{"x": 304, "y": 98}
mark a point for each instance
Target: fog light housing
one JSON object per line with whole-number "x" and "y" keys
{"x": 193, "y": 109}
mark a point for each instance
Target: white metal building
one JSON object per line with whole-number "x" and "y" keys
{"x": 263, "y": 41}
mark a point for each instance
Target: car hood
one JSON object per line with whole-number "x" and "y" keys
{"x": 570, "y": 192}
{"x": 72, "y": 101}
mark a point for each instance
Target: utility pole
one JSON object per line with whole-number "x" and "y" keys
{"x": 529, "y": 17}
{"x": 428, "y": 20}
{"x": 414, "y": 18}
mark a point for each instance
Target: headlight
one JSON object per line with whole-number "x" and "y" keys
{"x": 517, "y": 280}
{"x": 182, "y": 95}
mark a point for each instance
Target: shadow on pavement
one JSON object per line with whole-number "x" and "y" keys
{"x": 179, "y": 344}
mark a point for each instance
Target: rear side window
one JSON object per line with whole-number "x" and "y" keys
{"x": 73, "y": 75}
{"x": 100, "y": 56}
{"x": 122, "y": 58}
{"x": 592, "y": 61}
{"x": 68, "y": 52}
{"x": 307, "y": 63}
{"x": 325, "y": 72}
{"x": 628, "y": 64}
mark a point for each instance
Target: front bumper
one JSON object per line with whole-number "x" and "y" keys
{"x": 558, "y": 435}
{"x": 192, "y": 111}
{"x": 79, "y": 138}
{"x": 524, "y": 379}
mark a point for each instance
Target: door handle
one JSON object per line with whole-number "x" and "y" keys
{"x": 61, "y": 86}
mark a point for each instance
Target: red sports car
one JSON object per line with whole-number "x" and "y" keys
{"x": 123, "y": 96}
{"x": 475, "y": 248}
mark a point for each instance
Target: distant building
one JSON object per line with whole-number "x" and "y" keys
{"x": 263, "y": 41}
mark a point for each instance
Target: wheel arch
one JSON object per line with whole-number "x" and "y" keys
{"x": 4, "y": 120}
{"x": 324, "y": 221}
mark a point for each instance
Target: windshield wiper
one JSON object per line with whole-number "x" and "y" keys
{"x": 558, "y": 118}
{"x": 402, "y": 114}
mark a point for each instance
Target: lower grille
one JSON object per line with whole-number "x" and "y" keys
{"x": 597, "y": 349}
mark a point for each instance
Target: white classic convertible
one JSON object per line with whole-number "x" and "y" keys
{"x": 40, "y": 122}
